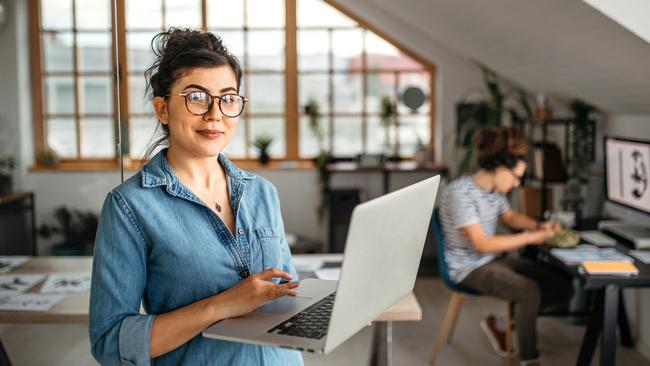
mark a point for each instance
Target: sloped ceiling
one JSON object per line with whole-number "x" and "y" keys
{"x": 560, "y": 47}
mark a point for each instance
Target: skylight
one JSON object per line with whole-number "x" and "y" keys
{"x": 631, "y": 14}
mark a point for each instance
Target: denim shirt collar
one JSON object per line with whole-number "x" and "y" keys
{"x": 157, "y": 172}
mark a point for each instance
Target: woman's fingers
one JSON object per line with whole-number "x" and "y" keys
{"x": 273, "y": 272}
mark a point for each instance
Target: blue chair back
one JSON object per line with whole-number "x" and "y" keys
{"x": 442, "y": 263}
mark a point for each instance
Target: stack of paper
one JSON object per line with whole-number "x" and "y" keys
{"x": 610, "y": 268}
{"x": 9, "y": 262}
{"x": 14, "y": 298}
{"x": 589, "y": 253}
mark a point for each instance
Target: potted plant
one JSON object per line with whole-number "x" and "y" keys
{"x": 489, "y": 112}
{"x": 312, "y": 110}
{"x": 386, "y": 113}
{"x": 77, "y": 228}
{"x": 262, "y": 143}
{"x": 50, "y": 157}
{"x": 7, "y": 166}
{"x": 581, "y": 141}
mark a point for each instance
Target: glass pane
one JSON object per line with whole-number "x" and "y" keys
{"x": 59, "y": 95}
{"x": 314, "y": 87}
{"x": 266, "y": 50}
{"x": 378, "y": 136}
{"x": 95, "y": 14}
{"x": 62, "y": 137}
{"x": 96, "y": 94}
{"x": 225, "y": 14}
{"x": 183, "y": 13}
{"x": 379, "y": 85}
{"x": 266, "y": 93}
{"x": 237, "y": 146}
{"x": 313, "y": 50}
{"x": 144, "y": 14}
{"x": 316, "y": 13}
{"x": 138, "y": 102}
{"x": 57, "y": 51}
{"x": 94, "y": 51}
{"x": 376, "y": 45}
{"x": 265, "y": 13}
{"x": 234, "y": 42}
{"x": 419, "y": 80}
{"x": 97, "y": 138}
{"x": 413, "y": 130}
{"x": 139, "y": 54}
{"x": 348, "y": 92}
{"x": 56, "y": 14}
{"x": 347, "y": 46}
{"x": 347, "y": 136}
{"x": 310, "y": 145}
{"x": 383, "y": 55}
{"x": 143, "y": 132}
{"x": 273, "y": 127}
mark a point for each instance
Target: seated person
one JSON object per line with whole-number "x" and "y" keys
{"x": 470, "y": 208}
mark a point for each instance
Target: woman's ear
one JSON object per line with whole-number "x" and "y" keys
{"x": 161, "y": 110}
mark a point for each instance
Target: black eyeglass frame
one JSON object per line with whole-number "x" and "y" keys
{"x": 211, "y": 102}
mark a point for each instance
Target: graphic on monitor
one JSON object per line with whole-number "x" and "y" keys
{"x": 627, "y": 166}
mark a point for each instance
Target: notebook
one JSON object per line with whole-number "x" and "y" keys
{"x": 610, "y": 268}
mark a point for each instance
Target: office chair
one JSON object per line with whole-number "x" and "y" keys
{"x": 458, "y": 294}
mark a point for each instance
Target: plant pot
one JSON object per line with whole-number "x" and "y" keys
{"x": 6, "y": 185}
{"x": 264, "y": 158}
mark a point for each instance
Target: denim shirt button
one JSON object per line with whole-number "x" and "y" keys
{"x": 240, "y": 231}
{"x": 244, "y": 273}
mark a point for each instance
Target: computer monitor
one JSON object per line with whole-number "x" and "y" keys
{"x": 627, "y": 173}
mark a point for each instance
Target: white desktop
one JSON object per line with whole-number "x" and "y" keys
{"x": 627, "y": 190}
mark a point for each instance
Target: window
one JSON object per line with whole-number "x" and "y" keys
{"x": 292, "y": 52}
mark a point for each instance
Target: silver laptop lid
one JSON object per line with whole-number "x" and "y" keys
{"x": 382, "y": 255}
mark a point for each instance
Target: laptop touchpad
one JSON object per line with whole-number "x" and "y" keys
{"x": 284, "y": 305}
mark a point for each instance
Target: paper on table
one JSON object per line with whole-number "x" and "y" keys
{"x": 59, "y": 283}
{"x": 642, "y": 255}
{"x": 306, "y": 264}
{"x": 18, "y": 283}
{"x": 589, "y": 253}
{"x": 28, "y": 302}
{"x": 9, "y": 262}
{"x": 328, "y": 273}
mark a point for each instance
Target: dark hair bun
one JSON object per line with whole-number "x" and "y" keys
{"x": 503, "y": 146}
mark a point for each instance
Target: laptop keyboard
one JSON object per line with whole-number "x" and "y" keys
{"x": 309, "y": 323}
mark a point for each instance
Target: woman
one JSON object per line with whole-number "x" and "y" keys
{"x": 470, "y": 209}
{"x": 191, "y": 236}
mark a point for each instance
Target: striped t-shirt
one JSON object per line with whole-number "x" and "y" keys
{"x": 464, "y": 203}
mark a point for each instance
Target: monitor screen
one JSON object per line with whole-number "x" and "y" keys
{"x": 627, "y": 169}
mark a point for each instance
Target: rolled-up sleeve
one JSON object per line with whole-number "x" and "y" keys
{"x": 119, "y": 334}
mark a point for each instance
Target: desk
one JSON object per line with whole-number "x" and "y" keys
{"x": 605, "y": 314}
{"x": 74, "y": 307}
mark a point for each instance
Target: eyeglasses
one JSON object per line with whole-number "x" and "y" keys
{"x": 199, "y": 103}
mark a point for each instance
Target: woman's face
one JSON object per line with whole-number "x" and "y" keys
{"x": 505, "y": 179}
{"x": 198, "y": 135}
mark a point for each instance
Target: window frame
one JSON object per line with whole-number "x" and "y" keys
{"x": 292, "y": 111}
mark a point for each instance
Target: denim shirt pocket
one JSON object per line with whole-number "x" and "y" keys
{"x": 270, "y": 244}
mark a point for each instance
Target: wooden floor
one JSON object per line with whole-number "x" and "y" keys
{"x": 559, "y": 340}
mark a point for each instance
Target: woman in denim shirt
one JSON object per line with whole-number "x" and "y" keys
{"x": 191, "y": 236}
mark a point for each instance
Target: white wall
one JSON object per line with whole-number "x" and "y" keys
{"x": 635, "y": 126}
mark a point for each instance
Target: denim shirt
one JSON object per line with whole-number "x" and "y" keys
{"x": 158, "y": 244}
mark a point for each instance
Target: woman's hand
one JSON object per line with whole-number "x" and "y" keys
{"x": 254, "y": 291}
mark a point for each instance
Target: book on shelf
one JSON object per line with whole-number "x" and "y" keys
{"x": 624, "y": 268}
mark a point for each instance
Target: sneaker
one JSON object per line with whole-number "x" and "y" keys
{"x": 496, "y": 337}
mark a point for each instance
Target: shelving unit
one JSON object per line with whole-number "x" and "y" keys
{"x": 544, "y": 125}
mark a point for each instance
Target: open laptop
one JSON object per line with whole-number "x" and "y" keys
{"x": 382, "y": 254}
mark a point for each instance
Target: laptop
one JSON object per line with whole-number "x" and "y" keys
{"x": 382, "y": 255}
